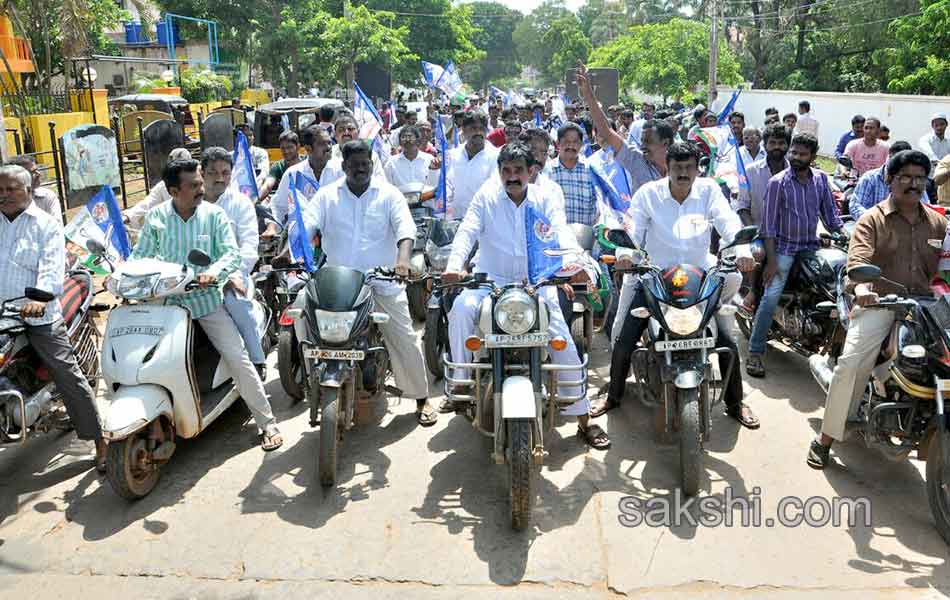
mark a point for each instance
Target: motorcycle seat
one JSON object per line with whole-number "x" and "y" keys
{"x": 76, "y": 290}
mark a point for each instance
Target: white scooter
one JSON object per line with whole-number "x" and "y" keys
{"x": 163, "y": 376}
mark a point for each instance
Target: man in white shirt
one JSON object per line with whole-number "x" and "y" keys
{"x": 33, "y": 255}
{"x": 806, "y": 123}
{"x": 751, "y": 149}
{"x": 135, "y": 216}
{"x": 470, "y": 165}
{"x": 412, "y": 118}
{"x": 936, "y": 144}
{"x": 364, "y": 223}
{"x": 495, "y": 220}
{"x": 45, "y": 198}
{"x": 346, "y": 130}
{"x": 670, "y": 219}
{"x": 412, "y": 165}
{"x": 216, "y": 166}
{"x": 260, "y": 160}
{"x": 319, "y": 168}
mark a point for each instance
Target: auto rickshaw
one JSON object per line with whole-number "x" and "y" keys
{"x": 150, "y": 107}
{"x": 300, "y": 112}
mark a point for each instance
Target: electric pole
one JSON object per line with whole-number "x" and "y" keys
{"x": 713, "y": 51}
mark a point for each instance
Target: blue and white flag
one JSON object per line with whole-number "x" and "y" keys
{"x": 300, "y": 248}
{"x": 497, "y": 93}
{"x": 740, "y": 164}
{"x": 540, "y": 236}
{"x": 285, "y": 122}
{"x": 99, "y": 220}
{"x": 242, "y": 173}
{"x": 455, "y": 142}
{"x": 450, "y": 82}
{"x": 610, "y": 193}
{"x": 728, "y": 108}
{"x": 586, "y": 149}
{"x": 370, "y": 123}
{"x": 442, "y": 191}
{"x": 432, "y": 73}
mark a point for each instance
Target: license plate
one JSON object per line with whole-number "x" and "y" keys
{"x": 319, "y": 354}
{"x": 515, "y": 341}
{"x": 693, "y": 344}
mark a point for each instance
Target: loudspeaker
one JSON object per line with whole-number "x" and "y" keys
{"x": 374, "y": 81}
{"x": 605, "y": 81}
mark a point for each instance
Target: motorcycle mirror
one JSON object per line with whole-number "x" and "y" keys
{"x": 199, "y": 258}
{"x": 864, "y": 274}
{"x": 38, "y": 295}
{"x": 620, "y": 238}
{"x": 845, "y": 162}
{"x": 95, "y": 248}
{"x": 745, "y": 235}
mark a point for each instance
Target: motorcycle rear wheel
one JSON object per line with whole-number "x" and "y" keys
{"x": 520, "y": 472}
{"x": 691, "y": 445}
{"x": 329, "y": 431}
{"x": 938, "y": 476}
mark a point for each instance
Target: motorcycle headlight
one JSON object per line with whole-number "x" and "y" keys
{"x": 135, "y": 287}
{"x": 684, "y": 321}
{"x": 335, "y": 327}
{"x": 438, "y": 256}
{"x": 168, "y": 283}
{"x": 516, "y": 312}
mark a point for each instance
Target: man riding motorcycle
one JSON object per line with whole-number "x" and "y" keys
{"x": 364, "y": 222}
{"x": 495, "y": 220}
{"x": 170, "y": 232}
{"x": 34, "y": 255}
{"x": 897, "y": 236}
{"x": 670, "y": 220}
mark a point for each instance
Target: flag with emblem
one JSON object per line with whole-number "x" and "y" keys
{"x": 242, "y": 173}
{"x": 99, "y": 220}
{"x": 540, "y": 236}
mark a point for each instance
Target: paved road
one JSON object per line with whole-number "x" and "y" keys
{"x": 421, "y": 513}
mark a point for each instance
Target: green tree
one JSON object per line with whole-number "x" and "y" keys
{"x": 569, "y": 44}
{"x": 922, "y": 55}
{"x": 495, "y": 25}
{"x": 667, "y": 59}
{"x": 361, "y": 37}
{"x": 528, "y": 36}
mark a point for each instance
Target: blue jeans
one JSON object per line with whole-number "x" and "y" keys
{"x": 769, "y": 302}
{"x": 241, "y": 309}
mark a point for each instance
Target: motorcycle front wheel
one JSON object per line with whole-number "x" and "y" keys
{"x": 289, "y": 366}
{"x": 126, "y": 467}
{"x": 938, "y": 479}
{"x": 691, "y": 447}
{"x": 520, "y": 472}
{"x": 745, "y": 326}
{"x": 329, "y": 431}
{"x": 418, "y": 295}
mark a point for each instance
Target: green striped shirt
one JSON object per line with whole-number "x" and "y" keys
{"x": 167, "y": 237}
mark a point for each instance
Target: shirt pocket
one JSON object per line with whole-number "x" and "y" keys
{"x": 376, "y": 225}
{"x": 25, "y": 255}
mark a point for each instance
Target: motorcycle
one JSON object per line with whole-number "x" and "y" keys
{"x": 514, "y": 382}
{"x": 807, "y": 316}
{"x": 674, "y": 364}
{"x": 342, "y": 350}
{"x": 842, "y": 185}
{"x": 435, "y": 336}
{"x": 29, "y": 401}
{"x": 164, "y": 379}
{"x": 417, "y": 288}
{"x": 903, "y": 407}
{"x": 588, "y": 314}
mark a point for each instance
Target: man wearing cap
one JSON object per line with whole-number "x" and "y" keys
{"x": 936, "y": 145}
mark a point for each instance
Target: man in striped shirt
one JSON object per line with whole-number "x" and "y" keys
{"x": 794, "y": 200}
{"x": 170, "y": 232}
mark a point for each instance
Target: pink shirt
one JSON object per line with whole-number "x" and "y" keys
{"x": 864, "y": 157}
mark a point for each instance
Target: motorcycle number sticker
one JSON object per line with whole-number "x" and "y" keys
{"x": 691, "y": 344}
{"x": 136, "y": 330}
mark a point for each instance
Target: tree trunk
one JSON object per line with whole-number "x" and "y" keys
{"x": 802, "y": 17}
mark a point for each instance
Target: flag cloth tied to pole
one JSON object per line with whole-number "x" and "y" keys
{"x": 541, "y": 239}
{"x": 242, "y": 174}
{"x": 728, "y": 108}
{"x": 300, "y": 248}
{"x": 432, "y": 73}
{"x": 369, "y": 122}
{"x": 99, "y": 220}
{"x": 725, "y": 160}
{"x": 614, "y": 199}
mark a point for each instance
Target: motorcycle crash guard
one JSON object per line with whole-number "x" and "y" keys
{"x": 517, "y": 398}
{"x": 133, "y": 407}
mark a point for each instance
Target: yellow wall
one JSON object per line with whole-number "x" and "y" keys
{"x": 12, "y": 123}
{"x": 255, "y": 98}
{"x": 39, "y": 129}
{"x": 79, "y": 101}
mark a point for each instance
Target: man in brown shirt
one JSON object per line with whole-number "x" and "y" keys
{"x": 904, "y": 239}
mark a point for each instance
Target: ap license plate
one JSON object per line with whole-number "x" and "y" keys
{"x": 495, "y": 340}
{"x": 318, "y": 354}
{"x": 693, "y": 344}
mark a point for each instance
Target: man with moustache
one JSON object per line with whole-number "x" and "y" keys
{"x": 469, "y": 165}
{"x": 896, "y": 236}
{"x": 581, "y": 195}
{"x": 319, "y": 167}
{"x": 670, "y": 219}
{"x": 794, "y": 200}
{"x": 495, "y": 221}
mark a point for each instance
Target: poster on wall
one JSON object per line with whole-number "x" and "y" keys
{"x": 90, "y": 161}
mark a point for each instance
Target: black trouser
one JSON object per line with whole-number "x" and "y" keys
{"x": 629, "y": 339}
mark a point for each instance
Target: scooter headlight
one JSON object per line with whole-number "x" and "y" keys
{"x": 335, "y": 327}
{"x": 167, "y": 284}
{"x": 438, "y": 256}
{"x": 134, "y": 287}
{"x": 684, "y": 321}
{"x": 516, "y": 312}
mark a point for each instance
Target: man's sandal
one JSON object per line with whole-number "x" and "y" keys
{"x": 748, "y": 420}
{"x": 271, "y": 440}
{"x": 601, "y": 408}
{"x": 594, "y": 436}
{"x": 426, "y": 416}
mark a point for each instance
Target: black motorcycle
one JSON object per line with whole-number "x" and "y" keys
{"x": 417, "y": 287}
{"x": 903, "y": 408}
{"x": 674, "y": 365}
{"x": 807, "y": 316}
{"x": 342, "y": 351}
{"x": 435, "y": 337}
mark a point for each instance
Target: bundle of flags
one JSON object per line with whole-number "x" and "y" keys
{"x": 100, "y": 220}
{"x": 242, "y": 174}
{"x": 611, "y": 179}
{"x": 725, "y": 160}
{"x": 445, "y": 79}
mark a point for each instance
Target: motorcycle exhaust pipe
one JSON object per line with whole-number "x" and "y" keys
{"x": 34, "y": 407}
{"x": 821, "y": 370}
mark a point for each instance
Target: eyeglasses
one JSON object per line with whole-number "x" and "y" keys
{"x": 909, "y": 179}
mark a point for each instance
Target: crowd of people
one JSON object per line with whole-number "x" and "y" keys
{"x": 501, "y": 159}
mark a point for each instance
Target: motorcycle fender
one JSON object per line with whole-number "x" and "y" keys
{"x": 578, "y": 308}
{"x": 417, "y": 265}
{"x": 333, "y": 374}
{"x": 435, "y": 301}
{"x": 133, "y": 407}
{"x": 517, "y": 398}
{"x": 688, "y": 380}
